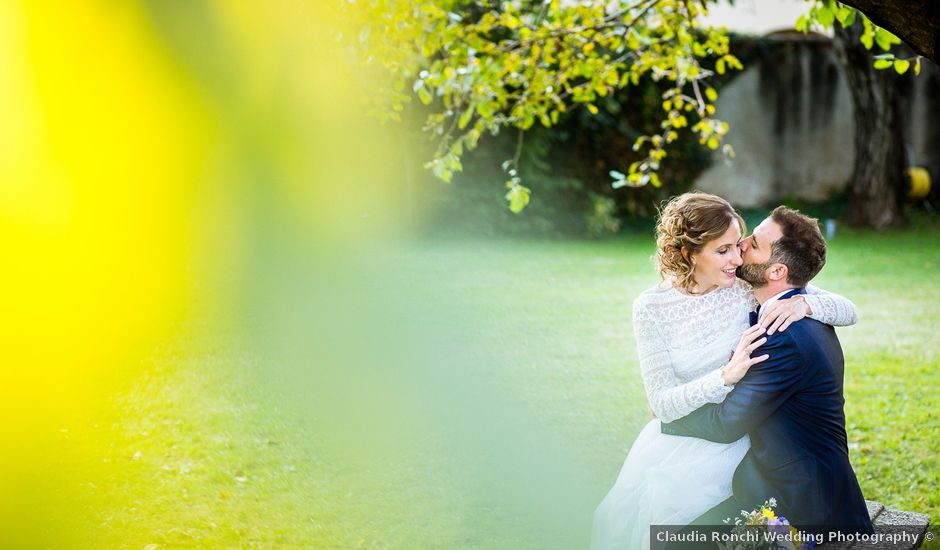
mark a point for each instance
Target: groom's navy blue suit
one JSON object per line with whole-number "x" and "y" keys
{"x": 791, "y": 405}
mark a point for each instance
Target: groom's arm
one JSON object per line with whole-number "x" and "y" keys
{"x": 765, "y": 387}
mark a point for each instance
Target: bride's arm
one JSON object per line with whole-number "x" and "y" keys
{"x": 830, "y": 308}
{"x": 669, "y": 399}
{"x": 817, "y": 304}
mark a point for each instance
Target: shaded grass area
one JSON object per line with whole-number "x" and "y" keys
{"x": 508, "y": 434}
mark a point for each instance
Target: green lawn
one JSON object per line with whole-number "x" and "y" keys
{"x": 474, "y": 394}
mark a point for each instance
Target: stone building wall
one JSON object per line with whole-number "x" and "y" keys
{"x": 792, "y": 124}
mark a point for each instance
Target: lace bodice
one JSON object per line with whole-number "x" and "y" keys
{"x": 683, "y": 340}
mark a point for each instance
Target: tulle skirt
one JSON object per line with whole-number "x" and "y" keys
{"x": 665, "y": 480}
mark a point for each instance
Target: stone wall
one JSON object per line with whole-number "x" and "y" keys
{"x": 792, "y": 124}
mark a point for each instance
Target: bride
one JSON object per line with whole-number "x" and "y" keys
{"x": 686, "y": 329}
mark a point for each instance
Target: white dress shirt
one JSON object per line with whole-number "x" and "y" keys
{"x": 763, "y": 307}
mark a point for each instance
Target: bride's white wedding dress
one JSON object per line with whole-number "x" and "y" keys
{"x": 682, "y": 341}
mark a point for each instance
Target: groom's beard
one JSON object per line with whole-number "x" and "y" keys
{"x": 753, "y": 273}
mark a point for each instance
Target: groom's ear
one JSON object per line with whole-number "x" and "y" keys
{"x": 778, "y": 272}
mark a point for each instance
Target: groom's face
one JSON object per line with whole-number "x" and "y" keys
{"x": 755, "y": 252}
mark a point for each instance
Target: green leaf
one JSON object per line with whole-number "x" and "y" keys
{"x": 825, "y": 16}
{"x": 843, "y": 13}
{"x": 902, "y": 65}
{"x": 424, "y": 95}
{"x": 465, "y": 118}
{"x": 868, "y": 35}
{"x": 883, "y": 63}
{"x": 527, "y": 121}
{"x": 885, "y": 39}
{"x": 443, "y": 173}
{"x": 802, "y": 23}
{"x": 452, "y": 162}
{"x": 848, "y": 20}
{"x": 473, "y": 136}
{"x": 633, "y": 42}
{"x": 518, "y": 197}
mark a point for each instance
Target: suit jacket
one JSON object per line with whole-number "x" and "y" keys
{"x": 791, "y": 405}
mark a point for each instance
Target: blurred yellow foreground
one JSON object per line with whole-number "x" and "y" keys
{"x": 138, "y": 141}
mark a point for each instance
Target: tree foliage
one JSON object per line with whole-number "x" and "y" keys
{"x": 824, "y": 14}
{"x": 491, "y": 65}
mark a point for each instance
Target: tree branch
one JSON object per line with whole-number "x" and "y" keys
{"x": 518, "y": 155}
{"x": 916, "y": 22}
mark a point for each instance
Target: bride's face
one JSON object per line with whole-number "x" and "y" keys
{"x": 716, "y": 263}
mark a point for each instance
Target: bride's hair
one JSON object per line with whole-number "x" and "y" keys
{"x": 690, "y": 221}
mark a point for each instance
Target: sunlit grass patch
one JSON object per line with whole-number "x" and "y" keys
{"x": 510, "y": 435}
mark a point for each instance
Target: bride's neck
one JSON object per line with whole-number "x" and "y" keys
{"x": 696, "y": 291}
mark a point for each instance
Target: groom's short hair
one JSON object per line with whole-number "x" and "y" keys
{"x": 802, "y": 247}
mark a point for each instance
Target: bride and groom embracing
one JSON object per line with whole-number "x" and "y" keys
{"x": 729, "y": 434}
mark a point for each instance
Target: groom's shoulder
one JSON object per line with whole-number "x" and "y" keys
{"x": 799, "y": 334}
{"x": 808, "y": 325}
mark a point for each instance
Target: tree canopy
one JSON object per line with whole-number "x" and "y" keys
{"x": 487, "y": 66}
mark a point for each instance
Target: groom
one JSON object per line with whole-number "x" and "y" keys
{"x": 791, "y": 405}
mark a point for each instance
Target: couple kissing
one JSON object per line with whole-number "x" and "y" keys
{"x": 731, "y": 434}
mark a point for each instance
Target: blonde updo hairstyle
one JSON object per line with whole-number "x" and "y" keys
{"x": 688, "y": 222}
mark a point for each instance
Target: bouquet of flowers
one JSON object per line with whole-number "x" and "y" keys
{"x": 763, "y": 530}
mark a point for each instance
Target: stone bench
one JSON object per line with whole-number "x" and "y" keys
{"x": 888, "y": 521}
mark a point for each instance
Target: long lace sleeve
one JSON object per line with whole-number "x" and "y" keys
{"x": 830, "y": 308}
{"x": 669, "y": 398}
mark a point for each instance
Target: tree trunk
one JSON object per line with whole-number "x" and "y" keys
{"x": 877, "y": 179}
{"x": 916, "y": 22}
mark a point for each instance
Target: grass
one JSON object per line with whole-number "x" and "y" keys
{"x": 480, "y": 395}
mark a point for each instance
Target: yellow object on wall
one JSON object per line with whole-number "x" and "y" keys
{"x": 920, "y": 182}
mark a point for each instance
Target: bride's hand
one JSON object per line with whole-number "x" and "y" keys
{"x": 783, "y": 313}
{"x": 741, "y": 359}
